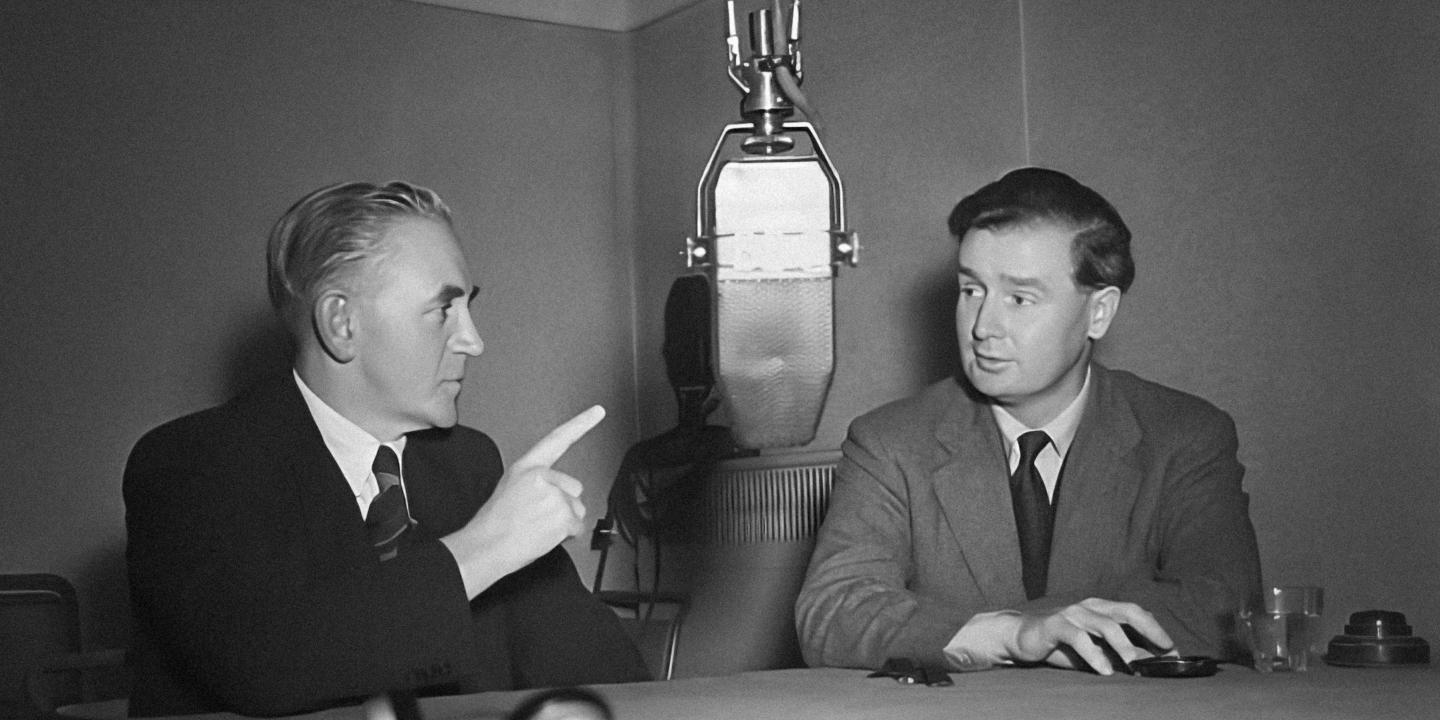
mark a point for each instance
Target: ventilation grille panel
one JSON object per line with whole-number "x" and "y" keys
{"x": 759, "y": 500}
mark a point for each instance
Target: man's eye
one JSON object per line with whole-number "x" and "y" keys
{"x": 1022, "y": 300}
{"x": 970, "y": 291}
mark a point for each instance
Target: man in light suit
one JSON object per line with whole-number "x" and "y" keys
{"x": 264, "y": 579}
{"x": 959, "y": 536}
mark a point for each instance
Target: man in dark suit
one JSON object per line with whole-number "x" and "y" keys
{"x": 273, "y": 567}
{"x": 1040, "y": 508}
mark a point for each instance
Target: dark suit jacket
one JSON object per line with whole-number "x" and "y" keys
{"x": 920, "y": 534}
{"x": 254, "y": 589}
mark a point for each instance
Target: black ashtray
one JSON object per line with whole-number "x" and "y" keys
{"x": 1171, "y": 666}
{"x": 1377, "y": 638}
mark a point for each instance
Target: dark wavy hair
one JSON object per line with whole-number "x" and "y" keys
{"x": 1100, "y": 250}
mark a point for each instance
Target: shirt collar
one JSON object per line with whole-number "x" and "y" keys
{"x": 352, "y": 447}
{"x": 1061, "y": 430}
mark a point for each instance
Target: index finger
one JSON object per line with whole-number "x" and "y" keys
{"x": 549, "y": 449}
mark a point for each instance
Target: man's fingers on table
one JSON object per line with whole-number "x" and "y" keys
{"x": 1106, "y": 635}
{"x": 1141, "y": 627}
{"x": 1090, "y": 652}
{"x": 1119, "y": 649}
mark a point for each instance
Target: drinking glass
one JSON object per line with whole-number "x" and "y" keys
{"x": 1283, "y": 630}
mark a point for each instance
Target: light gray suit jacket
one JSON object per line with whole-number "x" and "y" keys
{"x": 920, "y": 534}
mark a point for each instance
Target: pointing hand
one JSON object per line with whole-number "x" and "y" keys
{"x": 534, "y": 508}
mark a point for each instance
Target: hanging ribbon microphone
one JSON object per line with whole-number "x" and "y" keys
{"x": 770, "y": 234}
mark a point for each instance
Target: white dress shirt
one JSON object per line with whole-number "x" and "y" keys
{"x": 1061, "y": 431}
{"x": 353, "y": 448}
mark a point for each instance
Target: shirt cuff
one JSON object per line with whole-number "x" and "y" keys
{"x": 980, "y": 643}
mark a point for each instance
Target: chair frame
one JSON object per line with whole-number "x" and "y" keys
{"x": 34, "y": 588}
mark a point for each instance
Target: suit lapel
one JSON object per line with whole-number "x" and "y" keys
{"x": 1097, "y": 489}
{"x": 971, "y": 486}
{"x": 433, "y": 509}
{"x": 305, "y": 468}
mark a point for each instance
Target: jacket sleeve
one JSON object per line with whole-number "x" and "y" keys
{"x": 561, "y": 633}
{"x": 854, "y": 608}
{"x": 1204, "y": 561}
{"x": 272, "y": 610}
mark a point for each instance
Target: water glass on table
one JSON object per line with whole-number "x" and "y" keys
{"x": 1283, "y": 630}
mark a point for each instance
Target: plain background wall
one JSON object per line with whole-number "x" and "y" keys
{"x": 1277, "y": 161}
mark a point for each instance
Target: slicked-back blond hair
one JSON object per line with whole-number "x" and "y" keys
{"x": 326, "y": 236}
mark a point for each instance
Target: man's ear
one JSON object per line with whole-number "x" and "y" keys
{"x": 334, "y": 323}
{"x": 1102, "y": 306}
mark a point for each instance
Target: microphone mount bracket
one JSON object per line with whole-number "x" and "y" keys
{"x": 774, "y": 65}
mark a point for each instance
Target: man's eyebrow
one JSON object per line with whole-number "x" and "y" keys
{"x": 448, "y": 294}
{"x": 1022, "y": 281}
{"x": 1012, "y": 280}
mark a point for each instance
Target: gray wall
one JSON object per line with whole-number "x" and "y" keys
{"x": 1277, "y": 161}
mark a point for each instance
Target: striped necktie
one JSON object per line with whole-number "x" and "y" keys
{"x": 388, "y": 516}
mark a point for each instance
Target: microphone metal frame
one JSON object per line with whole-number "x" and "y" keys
{"x": 700, "y": 247}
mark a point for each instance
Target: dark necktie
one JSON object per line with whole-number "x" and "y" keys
{"x": 1034, "y": 518}
{"x": 388, "y": 517}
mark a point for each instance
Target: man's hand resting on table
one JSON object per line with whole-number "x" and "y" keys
{"x": 1077, "y": 635}
{"x": 1091, "y": 633}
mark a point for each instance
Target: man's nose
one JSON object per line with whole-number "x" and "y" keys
{"x": 466, "y": 339}
{"x": 987, "y": 322}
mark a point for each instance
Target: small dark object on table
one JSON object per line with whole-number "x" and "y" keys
{"x": 1171, "y": 666}
{"x": 908, "y": 672}
{"x": 1377, "y": 638}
